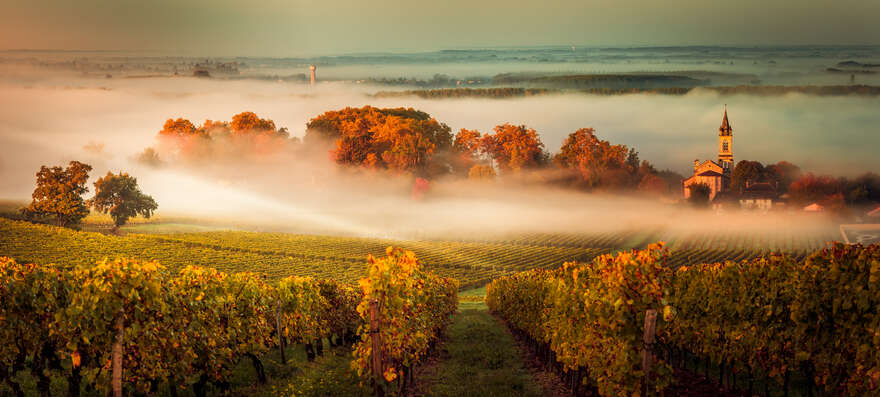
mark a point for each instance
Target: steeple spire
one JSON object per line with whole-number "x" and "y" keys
{"x": 725, "y": 129}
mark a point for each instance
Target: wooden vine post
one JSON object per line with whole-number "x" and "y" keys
{"x": 648, "y": 349}
{"x": 280, "y": 334}
{"x": 376, "y": 347}
{"x": 116, "y": 381}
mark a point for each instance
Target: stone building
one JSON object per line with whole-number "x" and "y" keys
{"x": 715, "y": 175}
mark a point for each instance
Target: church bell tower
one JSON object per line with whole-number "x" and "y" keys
{"x": 725, "y": 145}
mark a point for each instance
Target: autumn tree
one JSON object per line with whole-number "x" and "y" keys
{"x": 120, "y": 196}
{"x": 245, "y": 136}
{"x": 149, "y": 157}
{"x": 863, "y": 189}
{"x": 481, "y": 172}
{"x": 514, "y": 147}
{"x": 179, "y": 127}
{"x": 600, "y": 163}
{"x": 249, "y": 122}
{"x": 810, "y": 188}
{"x": 213, "y": 128}
{"x": 745, "y": 173}
{"x": 58, "y": 195}
{"x": 653, "y": 184}
{"x": 466, "y": 149}
{"x": 396, "y": 139}
{"x": 782, "y": 174}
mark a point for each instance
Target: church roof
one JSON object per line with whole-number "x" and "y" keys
{"x": 704, "y": 173}
{"x": 725, "y": 128}
{"x": 761, "y": 190}
{"x": 760, "y": 187}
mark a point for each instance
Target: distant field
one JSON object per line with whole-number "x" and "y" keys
{"x": 473, "y": 261}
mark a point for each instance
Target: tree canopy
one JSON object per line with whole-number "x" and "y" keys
{"x": 599, "y": 162}
{"x": 120, "y": 196}
{"x": 246, "y": 135}
{"x": 245, "y": 122}
{"x": 396, "y": 139}
{"x": 466, "y": 147}
{"x": 745, "y": 173}
{"x": 58, "y": 195}
{"x": 514, "y": 147}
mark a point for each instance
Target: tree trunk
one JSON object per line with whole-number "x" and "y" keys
{"x": 117, "y": 356}
{"x": 280, "y": 334}
{"x": 74, "y": 381}
{"x": 38, "y": 370}
{"x": 319, "y": 345}
{"x": 258, "y": 366}
{"x": 199, "y": 388}
{"x": 310, "y": 352}
{"x": 172, "y": 386}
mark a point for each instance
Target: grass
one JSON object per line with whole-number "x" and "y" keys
{"x": 479, "y": 357}
{"x": 329, "y": 375}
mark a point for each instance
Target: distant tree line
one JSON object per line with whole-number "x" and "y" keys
{"x": 511, "y": 92}
{"x": 506, "y": 92}
{"x": 613, "y": 81}
{"x": 438, "y": 80}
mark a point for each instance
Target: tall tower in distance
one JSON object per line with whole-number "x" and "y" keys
{"x": 725, "y": 144}
{"x": 312, "y": 74}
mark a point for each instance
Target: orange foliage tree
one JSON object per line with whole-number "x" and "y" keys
{"x": 599, "y": 163}
{"x": 811, "y": 188}
{"x": 245, "y": 122}
{"x": 467, "y": 150}
{"x": 247, "y": 134}
{"x": 514, "y": 147}
{"x": 398, "y": 139}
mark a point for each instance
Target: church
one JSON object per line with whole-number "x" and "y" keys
{"x": 715, "y": 175}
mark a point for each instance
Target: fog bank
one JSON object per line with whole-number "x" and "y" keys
{"x": 50, "y": 120}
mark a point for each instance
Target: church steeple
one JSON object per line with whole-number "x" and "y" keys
{"x": 725, "y": 129}
{"x": 725, "y": 144}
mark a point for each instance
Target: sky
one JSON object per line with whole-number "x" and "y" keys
{"x": 292, "y": 28}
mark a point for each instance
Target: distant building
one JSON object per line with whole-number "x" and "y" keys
{"x": 716, "y": 175}
{"x": 758, "y": 196}
{"x": 815, "y": 207}
{"x": 312, "y": 69}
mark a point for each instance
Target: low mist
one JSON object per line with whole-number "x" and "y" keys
{"x": 52, "y": 119}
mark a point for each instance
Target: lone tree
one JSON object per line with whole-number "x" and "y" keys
{"x": 58, "y": 195}
{"x": 119, "y": 195}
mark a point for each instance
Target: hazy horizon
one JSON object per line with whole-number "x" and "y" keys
{"x": 308, "y": 28}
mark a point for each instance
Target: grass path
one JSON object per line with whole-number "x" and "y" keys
{"x": 478, "y": 357}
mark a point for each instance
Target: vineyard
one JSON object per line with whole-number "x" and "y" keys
{"x": 189, "y": 329}
{"x": 766, "y": 321}
{"x": 803, "y": 319}
{"x": 473, "y": 261}
{"x": 278, "y": 255}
